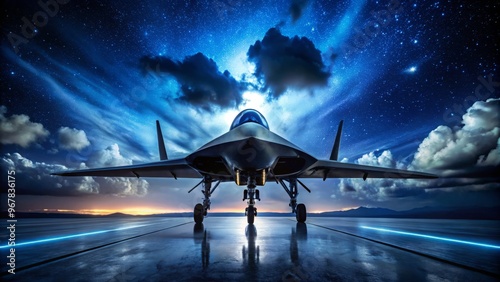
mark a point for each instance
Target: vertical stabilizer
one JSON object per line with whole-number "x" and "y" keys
{"x": 161, "y": 143}
{"x": 335, "y": 150}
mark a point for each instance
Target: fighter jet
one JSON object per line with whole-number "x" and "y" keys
{"x": 250, "y": 155}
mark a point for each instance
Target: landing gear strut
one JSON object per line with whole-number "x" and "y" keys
{"x": 251, "y": 194}
{"x": 292, "y": 191}
{"x": 200, "y": 210}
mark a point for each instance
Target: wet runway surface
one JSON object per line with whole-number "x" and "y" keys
{"x": 228, "y": 249}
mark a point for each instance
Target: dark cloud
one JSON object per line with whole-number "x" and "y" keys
{"x": 34, "y": 178}
{"x": 202, "y": 84}
{"x": 280, "y": 24}
{"x": 296, "y": 8}
{"x": 402, "y": 192}
{"x": 346, "y": 187}
{"x": 456, "y": 182}
{"x": 283, "y": 62}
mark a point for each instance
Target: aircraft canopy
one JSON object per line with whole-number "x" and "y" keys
{"x": 249, "y": 116}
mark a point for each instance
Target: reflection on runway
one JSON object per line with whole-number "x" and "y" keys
{"x": 274, "y": 249}
{"x": 298, "y": 233}
{"x": 297, "y": 273}
{"x": 200, "y": 237}
{"x": 250, "y": 252}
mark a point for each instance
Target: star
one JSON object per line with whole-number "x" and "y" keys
{"x": 96, "y": 68}
{"x": 410, "y": 70}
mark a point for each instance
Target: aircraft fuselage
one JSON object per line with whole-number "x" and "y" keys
{"x": 249, "y": 154}
{"x": 248, "y": 149}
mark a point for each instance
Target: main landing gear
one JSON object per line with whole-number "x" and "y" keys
{"x": 200, "y": 210}
{"x": 292, "y": 191}
{"x": 251, "y": 194}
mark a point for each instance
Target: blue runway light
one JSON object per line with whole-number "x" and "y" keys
{"x": 71, "y": 236}
{"x": 432, "y": 237}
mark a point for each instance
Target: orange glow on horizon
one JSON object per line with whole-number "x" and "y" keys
{"x": 146, "y": 209}
{"x": 151, "y": 211}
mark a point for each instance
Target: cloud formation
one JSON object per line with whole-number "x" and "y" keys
{"x": 33, "y": 178}
{"x": 379, "y": 189}
{"x": 110, "y": 156}
{"x": 467, "y": 156}
{"x": 296, "y": 9}
{"x": 475, "y": 143}
{"x": 19, "y": 130}
{"x": 283, "y": 62}
{"x": 201, "y": 82}
{"x": 72, "y": 139}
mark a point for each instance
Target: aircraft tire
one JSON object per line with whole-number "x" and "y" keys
{"x": 301, "y": 213}
{"x": 198, "y": 213}
{"x": 250, "y": 214}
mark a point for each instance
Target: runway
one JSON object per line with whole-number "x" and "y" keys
{"x": 227, "y": 249}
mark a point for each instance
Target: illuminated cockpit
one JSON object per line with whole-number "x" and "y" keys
{"x": 249, "y": 116}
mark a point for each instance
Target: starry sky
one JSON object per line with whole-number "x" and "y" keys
{"x": 416, "y": 83}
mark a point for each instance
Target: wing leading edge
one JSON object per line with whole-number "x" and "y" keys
{"x": 333, "y": 169}
{"x": 167, "y": 168}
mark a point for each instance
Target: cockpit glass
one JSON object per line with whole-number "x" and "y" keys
{"x": 249, "y": 116}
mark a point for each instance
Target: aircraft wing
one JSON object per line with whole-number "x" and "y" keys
{"x": 166, "y": 168}
{"x": 334, "y": 169}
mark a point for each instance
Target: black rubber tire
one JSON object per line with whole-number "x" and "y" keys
{"x": 301, "y": 213}
{"x": 198, "y": 213}
{"x": 250, "y": 214}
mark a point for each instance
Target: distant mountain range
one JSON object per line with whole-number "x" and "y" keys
{"x": 424, "y": 212}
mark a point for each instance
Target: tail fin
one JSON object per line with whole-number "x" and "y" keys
{"x": 335, "y": 150}
{"x": 161, "y": 143}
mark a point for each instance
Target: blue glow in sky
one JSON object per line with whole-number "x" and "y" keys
{"x": 411, "y": 69}
{"x": 86, "y": 89}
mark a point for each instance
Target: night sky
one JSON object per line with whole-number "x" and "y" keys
{"x": 416, "y": 83}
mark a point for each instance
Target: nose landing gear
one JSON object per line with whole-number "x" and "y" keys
{"x": 251, "y": 213}
{"x": 251, "y": 194}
